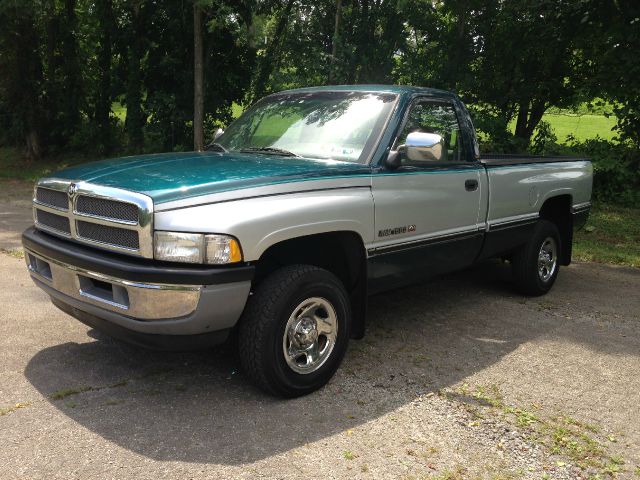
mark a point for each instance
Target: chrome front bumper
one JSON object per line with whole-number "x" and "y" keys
{"x": 150, "y": 314}
{"x": 143, "y": 301}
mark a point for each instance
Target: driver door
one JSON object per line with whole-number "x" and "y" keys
{"x": 426, "y": 210}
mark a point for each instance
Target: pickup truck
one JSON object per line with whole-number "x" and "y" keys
{"x": 275, "y": 236}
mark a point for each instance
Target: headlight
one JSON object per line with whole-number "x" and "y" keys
{"x": 196, "y": 248}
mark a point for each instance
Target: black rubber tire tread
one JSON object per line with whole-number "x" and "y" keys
{"x": 525, "y": 261}
{"x": 263, "y": 313}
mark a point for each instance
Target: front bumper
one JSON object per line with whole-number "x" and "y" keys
{"x": 148, "y": 303}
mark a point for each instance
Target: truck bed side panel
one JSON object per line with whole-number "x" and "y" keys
{"x": 517, "y": 192}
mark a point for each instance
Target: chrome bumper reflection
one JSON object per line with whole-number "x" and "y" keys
{"x": 142, "y": 301}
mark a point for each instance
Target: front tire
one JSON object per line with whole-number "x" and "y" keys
{"x": 294, "y": 331}
{"x": 536, "y": 264}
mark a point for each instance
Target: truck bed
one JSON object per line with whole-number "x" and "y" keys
{"x": 502, "y": 159}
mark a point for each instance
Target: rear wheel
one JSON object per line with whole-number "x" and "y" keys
{"x": 294, "y": 331}
{"x": 536, "y": 264}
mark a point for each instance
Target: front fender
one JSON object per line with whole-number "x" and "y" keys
{"x": 259, "y": 223}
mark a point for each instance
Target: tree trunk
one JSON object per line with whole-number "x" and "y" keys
{"x": 521, "y": 121}
{"x": 335, "y": 40}
{"x": 23, "y": 78}
{"x": 198, "y": 80}
{"x": 529, "y": 116}
{"x": 32, "y": 146}
{"x": 106, "y": 20}
{"x": 135, "y": 119}
{"x": 71, "y": 67}
{"x": 362, "y": 42}
{"x": 51, "y": 63}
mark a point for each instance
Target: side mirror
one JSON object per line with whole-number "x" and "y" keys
{"x": 218, "y": 134}
{"x": 422, "y": 147}
{"x": 394, "y": 159}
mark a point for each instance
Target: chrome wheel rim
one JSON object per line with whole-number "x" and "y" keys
{"x": 547, "y": 259}
{"x": 310, "y": 335}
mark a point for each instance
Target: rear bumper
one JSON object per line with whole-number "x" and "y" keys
{"x": 132, "y": 300}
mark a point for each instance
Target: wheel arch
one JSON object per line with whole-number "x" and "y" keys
{"x": 557, "y": 209}
{"x": 340, "y": 252}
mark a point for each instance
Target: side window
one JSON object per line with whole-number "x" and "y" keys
{"x": 439, "y": 118}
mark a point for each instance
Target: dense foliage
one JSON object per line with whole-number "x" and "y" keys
{"x": 67, "y": 67}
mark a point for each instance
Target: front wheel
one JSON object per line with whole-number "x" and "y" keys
{"x": 294, "y": 330}
{"x": 536, "y": 263}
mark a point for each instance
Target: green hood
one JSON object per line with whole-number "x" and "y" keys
{"x": 173, "y": 176}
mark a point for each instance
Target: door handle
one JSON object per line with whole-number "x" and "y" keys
{"x": 471, "y": 185}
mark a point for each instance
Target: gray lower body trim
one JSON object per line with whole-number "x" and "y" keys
{"x": 146, "y": 340}
{"x": 581, "y": 207}
{"x": 580, "y": 215}
{"x": 411, "y": 264}
{"x": 219, "y": 308}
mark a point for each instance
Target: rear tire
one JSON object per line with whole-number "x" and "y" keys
{"x": 536, "y": 264}
{"x": 294, "y": 331}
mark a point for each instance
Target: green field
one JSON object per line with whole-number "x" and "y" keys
{"x": 612, "y": 235}
{"x": 581, "y": 126}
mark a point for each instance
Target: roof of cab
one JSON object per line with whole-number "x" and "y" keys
{"x": 396, "y": 89}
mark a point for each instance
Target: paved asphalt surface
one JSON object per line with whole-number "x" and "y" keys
{"x": 76, "y": 404}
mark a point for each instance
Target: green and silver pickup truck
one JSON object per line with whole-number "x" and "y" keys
{"x": 308, "y": 203}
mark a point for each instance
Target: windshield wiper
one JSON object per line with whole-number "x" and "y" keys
{"x": 216, "y": 147}
{"x": 270, "y": 151}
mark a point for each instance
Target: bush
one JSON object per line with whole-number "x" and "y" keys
{"x": 616, "y": 169}
{"x": 616, "y": 164}
{"x": 544, "y": 138}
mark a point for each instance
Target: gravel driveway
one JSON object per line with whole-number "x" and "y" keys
{"x": 457, "y": 378}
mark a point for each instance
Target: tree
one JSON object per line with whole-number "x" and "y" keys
{"x": 335, "y": 40}
{"x": 135, "y": 120}
{"x": 198, "y": 80}
{"x": 268, "y": 62}
{"x": 610, "y": 42}
{"x": 106, "y": 31}
{"x": 71, "y": 72}
{"x": 21, "y": 81}
{"x": 513, "y": 60}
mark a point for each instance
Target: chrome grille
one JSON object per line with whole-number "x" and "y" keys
{"x": 51, "y": 220}
{"x": 108, "y": 235}
{"x": 105, "y": 217}
{"x": 55, "y": 198}
{"x": 105, "y": 208}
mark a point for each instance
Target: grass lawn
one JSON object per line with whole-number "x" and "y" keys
{"x": 14, "y": 166}
{"x": 581, "y": 126}
{"x": 612, "y": 235}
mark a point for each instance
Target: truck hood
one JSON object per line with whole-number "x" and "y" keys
{"x": 173, "y": 176}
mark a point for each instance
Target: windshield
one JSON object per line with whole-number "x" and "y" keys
{"x": 326, "y": 125}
